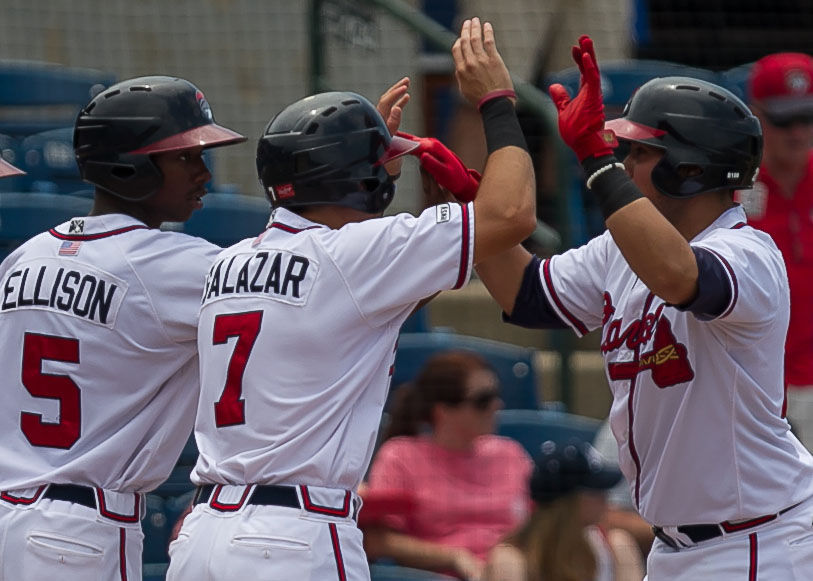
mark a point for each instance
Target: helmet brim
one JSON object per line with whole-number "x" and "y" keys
{"x": 206, "y": 136}
{"x": 632, "y": 131}
{"x": 398, "y": 147}
{"x": 8, "y": 170}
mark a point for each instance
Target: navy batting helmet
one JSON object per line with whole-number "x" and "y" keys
{"x": 699, "y": 125}
{"x": 117, "y": 132}
{"x": 329, "y": 148}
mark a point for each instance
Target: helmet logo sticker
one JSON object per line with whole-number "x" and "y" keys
{"x": 798, "y": 81}
{"x": 283, "y": 191}
{"x": 204, "y": 105}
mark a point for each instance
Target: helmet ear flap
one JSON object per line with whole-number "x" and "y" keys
{"x": 131, "y": 177}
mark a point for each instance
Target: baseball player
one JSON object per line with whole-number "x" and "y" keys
{"x": 98, "y": 323}
{"x": 298, "y": 326}
{"x": 692, "y": 304}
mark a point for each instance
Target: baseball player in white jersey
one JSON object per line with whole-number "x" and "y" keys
{"x": 692, "y": 304}
{"x": 98, "y": 323}
{"x": 299, "y": 325}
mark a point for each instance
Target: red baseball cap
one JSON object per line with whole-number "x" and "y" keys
{"x": 782, "y": 84}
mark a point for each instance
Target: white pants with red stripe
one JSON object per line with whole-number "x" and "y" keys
{"x": 54, "y": 540}
{"x": 267, "y": 543}
{"x": 781, "y": 550}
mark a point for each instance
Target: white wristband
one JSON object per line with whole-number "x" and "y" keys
{"x": 601, "y": 170}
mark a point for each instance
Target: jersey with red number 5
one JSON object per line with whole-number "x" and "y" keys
{"x": 98, "y": 326}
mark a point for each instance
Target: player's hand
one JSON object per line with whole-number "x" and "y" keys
{"x": 581, "y": 120}
{"x": 391, "y": 104}
{"x": 479, "y": 68}
{"x": 447, "y": 169}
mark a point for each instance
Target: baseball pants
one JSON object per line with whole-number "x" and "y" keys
{"x": 781, "y": 550}
{"x": 59, "y": 540}
{"x": 266, "y": 542}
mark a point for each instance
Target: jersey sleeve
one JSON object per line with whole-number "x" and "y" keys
{"x": 755, "y": 273}
{"x": 391, "y": 263}
{"x": 574, "y": 284}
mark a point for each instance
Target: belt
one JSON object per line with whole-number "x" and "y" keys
{"x": 705, "y": 532}
{"x": 268, "y": 495}
{"x": 75, "y": 493}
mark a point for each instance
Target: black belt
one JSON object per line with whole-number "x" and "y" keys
{"x": 75, "y": 493}
{"x": 705, "y": 532}
{"x": 266, "y": 494}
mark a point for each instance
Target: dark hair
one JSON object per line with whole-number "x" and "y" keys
{"x": 442, "y": 379}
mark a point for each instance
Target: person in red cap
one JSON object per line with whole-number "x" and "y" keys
{"x": 780, "y": 91}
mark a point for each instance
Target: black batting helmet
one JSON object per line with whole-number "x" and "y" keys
{"x": 117, "y": 132}
{"x": 329, "y": 148}
{"x": 697, "y": 124}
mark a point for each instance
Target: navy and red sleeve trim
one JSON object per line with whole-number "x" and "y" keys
{"x": 465, "y": 246}
{"x": 531, "y": 307}
{"x": 717, "y": 287}
{"x": 86, "y": 237}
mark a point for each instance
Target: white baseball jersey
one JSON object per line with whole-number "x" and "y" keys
{"x": 696, "y": 403}
{"x": 98, "y": 322}
{"x": 297, "y": 338}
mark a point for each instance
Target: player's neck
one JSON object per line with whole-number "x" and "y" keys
{"x": 104, "y": 203}
{"x": 335, "y": 216}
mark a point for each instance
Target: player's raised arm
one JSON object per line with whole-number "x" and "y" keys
{"x": 656, "y": 250}
{"x": 505, "y": 203}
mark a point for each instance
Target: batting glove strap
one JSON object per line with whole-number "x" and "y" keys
{"x": 501, "y": 125}
{"x": 610, "y": 184}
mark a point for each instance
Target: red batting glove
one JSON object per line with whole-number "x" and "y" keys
{"x": 447, "y": 169}
{"x": 581, "y": 120}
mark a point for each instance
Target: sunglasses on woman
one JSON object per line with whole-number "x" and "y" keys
{"x": 482, "y": 400}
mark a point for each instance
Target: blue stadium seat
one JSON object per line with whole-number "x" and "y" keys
{"x": 49, "y": 95}
{"x": 386, "y": 572}
{"x": 514, "y": 365}
{"x": 154, "y": 571}
{"x": 10, "y": 151}
{"x": 156, "y": 527}
{"x": 26, "y": 214}
{"x": 227, "y": 218}
{"x": 51, "y": 163}
{"x": 533, "y": 427}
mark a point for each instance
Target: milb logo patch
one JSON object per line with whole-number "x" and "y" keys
{"x": 443, "y": 213}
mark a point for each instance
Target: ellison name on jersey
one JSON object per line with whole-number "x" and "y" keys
{"x": 79, "y": 290}
{"x": 277, "y": 275}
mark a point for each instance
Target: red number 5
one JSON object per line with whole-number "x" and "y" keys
{"x": 230, "y": 409}
{"x": 65, "y": 432}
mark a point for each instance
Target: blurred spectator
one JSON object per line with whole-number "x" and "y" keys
{"x": 780, "y": 90}
{"x": 466, "y": 487}
{"x": 561, "y": 541}
{"x": 621, "y": 512}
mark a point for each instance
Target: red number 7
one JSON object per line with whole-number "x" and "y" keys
{"x": 230, "y": 409}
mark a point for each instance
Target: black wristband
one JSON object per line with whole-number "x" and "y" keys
{"x": 610, "y": 184}
{"x": 501, "y": 125}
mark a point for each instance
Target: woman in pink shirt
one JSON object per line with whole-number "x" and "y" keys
{"x": 466, "y": 486}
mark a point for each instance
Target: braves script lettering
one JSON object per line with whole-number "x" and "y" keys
{"x": 667, "y": 359}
